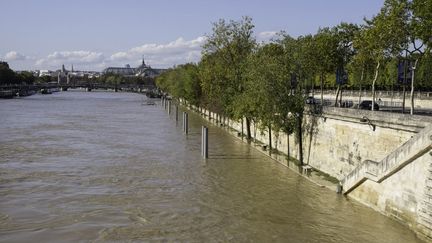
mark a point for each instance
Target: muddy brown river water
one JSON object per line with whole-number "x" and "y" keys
{"x": 101, "y": 166}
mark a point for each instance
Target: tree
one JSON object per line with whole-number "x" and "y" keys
{"x": 229, "y": 46}
{"x": 261, "y": 99}
{"x": 326, "y": 44}
{"x": 382, "y": 37}
{"x": 345, "y": 51}
{"x": 25, "y": 77}
{"x": 418, "y": 24}
{"x": 7, "y": 75}
{"x": 422, "y": 22}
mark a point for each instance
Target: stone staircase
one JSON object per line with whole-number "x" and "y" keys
{"x": 425, "y": 212}
{"x": 378, "y": 171}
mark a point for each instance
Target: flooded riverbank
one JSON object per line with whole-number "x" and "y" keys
{"x": 99, "y": 166}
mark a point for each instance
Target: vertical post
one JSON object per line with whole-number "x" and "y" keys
{"x": 242, "y": 132}
{"x": 176, "y": 113}
{"x": 169, "y": 107}
{"x": 204, "y": 142}
{"x": 185, "y": 123}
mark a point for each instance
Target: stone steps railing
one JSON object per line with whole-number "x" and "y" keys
{"x": 379, "y": 171}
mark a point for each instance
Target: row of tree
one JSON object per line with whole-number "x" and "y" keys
{"x": 267, "y": 83}
{"x": 116, "y": 79}
{"x": 8, "y": 76}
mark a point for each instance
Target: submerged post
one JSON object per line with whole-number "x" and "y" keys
{"x": 176, "y": 113}
{"x": 204, "y": 142}
{"x": 185, "y": 123}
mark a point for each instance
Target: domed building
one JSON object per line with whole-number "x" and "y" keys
{"x": 142, "y": 70}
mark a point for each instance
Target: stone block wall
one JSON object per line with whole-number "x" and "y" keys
{"x": 338, "y": 140}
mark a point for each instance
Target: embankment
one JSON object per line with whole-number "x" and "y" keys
{"x": 383, "y": 160}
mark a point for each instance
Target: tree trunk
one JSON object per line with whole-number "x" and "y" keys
{"x": 288, "y": 148}
{"x": 242, "y": 130}
{"x": 360, "y": 92}
{"x": 403, "y": 98}
{"x": 300, "y": 139}
{"x": 337, "y": 96}
{"x": 248, "y": 129}
{"x": 255, "y": 128}
{"x": 373, "y": 85}
{"x": 322, "y": 88}
{"x": 313, "y": 87}
{"x": 270, "y": 138}
{"x": 412, "y": 86}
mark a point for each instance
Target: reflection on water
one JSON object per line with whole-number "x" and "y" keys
{"x": 97, "y": 166}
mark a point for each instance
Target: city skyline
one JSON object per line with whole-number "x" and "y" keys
{"x": 97, "y": 34}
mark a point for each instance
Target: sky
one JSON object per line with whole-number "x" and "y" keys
{"x": 94, "y": 34}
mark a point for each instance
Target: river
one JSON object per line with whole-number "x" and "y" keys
{"x": 103, "y": 166}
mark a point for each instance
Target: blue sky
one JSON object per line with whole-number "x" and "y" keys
{"x": 93, "y": 34}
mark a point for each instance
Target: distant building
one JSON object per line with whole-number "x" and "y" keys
{"x": 141, "y": 71}
{"x": 64, "y": 76}
{"x": 123, "y": 71}
{"x": 45, "y": 73}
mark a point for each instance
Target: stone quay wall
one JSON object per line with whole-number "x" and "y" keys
{"x": 337, "y": 141}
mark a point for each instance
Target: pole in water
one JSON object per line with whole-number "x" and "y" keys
{"x": 169, "y": 107}
{"x": 176, "y": 113}
{"x": 185, "y": 122}
{"x": 204, "y": 142}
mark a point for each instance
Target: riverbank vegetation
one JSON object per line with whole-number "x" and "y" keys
{"x": 116, "y": 79}
{"x": 268, "y": 83}
{"x": 8, "y": 76}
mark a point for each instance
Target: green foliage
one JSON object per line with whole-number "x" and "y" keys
{"x": 226, "y": 53}
{"x": 422, "y": 21}
{"x": 182, "y": 82}
{"x": 241, "y": 79}
{"x": 25, "y": 77}
{"x": 44, "y": 79}
{"x": 8, "y": 76}
{"x": 117, "y": 79}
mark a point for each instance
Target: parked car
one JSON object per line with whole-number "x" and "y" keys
{"x": 347, "y": 103}
{"x": 367, "y": 105}
{"x": 311, "y": 100}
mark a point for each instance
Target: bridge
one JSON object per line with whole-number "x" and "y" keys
{"x": 9, "y": 91}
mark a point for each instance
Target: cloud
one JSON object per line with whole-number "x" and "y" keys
{"x": 266, "y": 35}
{"x": 15, "y": 56}
{"x": 157, "y": 55}
{"x": 58, "y": 58}
{"x": 163, "y": 55}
